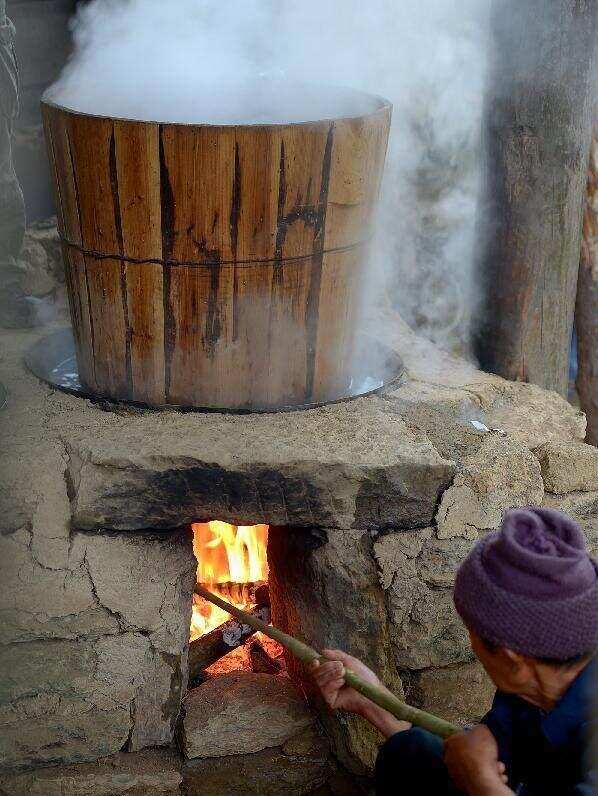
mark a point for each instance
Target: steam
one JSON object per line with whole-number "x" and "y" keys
{"x": 227, "y": 61}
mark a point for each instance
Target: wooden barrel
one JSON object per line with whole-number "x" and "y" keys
{"x": 216, "y": 266}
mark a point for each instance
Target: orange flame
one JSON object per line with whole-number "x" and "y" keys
{"x": 225, "y": 554}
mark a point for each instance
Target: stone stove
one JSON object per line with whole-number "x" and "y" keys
{"x": 371, "y": 504}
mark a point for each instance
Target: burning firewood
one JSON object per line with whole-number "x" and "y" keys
{"x": 231, "y": 561}
{"x": 243, "y": 593}
{"x": 209, "y": 648}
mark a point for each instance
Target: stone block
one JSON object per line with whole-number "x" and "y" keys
{"x": 440, "y": 558}
{"x": 35, "y": 279}
{"x": 528, "y": 414}
{"x": 460, "y": 694}
{"x": 444, "y": 413}
{"x": 344, "y": 608}
{"x": 417, "y": 572}
{"x": 569, "y": 467}
{"x": 502, "y": 474}
{"x": 393, "y": 551}
{"x": 425, "y": 628}
{"x": 101, "y": 658}
{"x": 45, "y": 233}
{"x": 47, "y": 594}
{"x": 299, "y": 767}
{"x": 582, "y": 507}
{"x": 41, "y": 268}
{"x": 155, "y": 772}
{"x": 51, "y": 728}
{"x": 241, "y": 713}
{"x": 349, "y": 465}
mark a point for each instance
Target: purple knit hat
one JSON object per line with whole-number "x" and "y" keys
{"x": 532, "y": 587}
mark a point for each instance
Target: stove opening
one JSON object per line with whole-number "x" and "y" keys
{"x": 232, "y": 562}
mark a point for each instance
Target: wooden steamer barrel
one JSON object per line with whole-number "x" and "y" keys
{"x": 216, "y": 266}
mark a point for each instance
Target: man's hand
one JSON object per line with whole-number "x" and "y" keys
{"x": 330, "y": 679}
{"x": 472, "y": 760}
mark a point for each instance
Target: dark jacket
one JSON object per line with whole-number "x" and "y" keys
{"x": 546, "y": 754}
{"x": 549, "y": 753}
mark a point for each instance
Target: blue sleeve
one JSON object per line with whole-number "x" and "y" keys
{"x": 589, "y": 787}
{"x": 499, "y": 721}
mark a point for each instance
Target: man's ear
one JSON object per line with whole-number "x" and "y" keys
{"x": 518, "y": 664}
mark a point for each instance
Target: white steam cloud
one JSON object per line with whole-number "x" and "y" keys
{"x": 226, "y": 61}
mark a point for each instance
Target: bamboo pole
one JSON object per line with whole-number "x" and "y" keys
{"x": 307, "y": 655}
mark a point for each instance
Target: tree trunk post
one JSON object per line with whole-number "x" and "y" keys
{"x": 586, "y": 310}
{"x": 536, "y": 139}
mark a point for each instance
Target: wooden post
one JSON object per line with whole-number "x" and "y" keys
{"x": 536, "y": 141}
{"x": 586, "y": 311}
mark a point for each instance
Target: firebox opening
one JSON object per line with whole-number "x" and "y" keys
{"x": 232, "y": 562}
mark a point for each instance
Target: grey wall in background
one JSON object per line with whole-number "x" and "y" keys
{"x": 42, "y": 45}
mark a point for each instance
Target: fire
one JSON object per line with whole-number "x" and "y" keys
{"x": 228, "y": 556}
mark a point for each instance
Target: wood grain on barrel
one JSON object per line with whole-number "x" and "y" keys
{"x": 357, "y": 164}
{"x": 197, "y": 172}
{"x": 238, "y": 255}
{"x": 67, "y": 208}
{"x": 356, "y": 173}
{"x": 303, "y": 169}
{"x": 92, "y": 148}
{"x": 341, "y": 289}
{"x": 257, "y": 157}
{"x": 138, "y": 187}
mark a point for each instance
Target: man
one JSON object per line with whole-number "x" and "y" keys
{"x": 528, "y": 595}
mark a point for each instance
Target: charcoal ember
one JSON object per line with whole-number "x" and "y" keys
{"x": 261, "y": 660}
